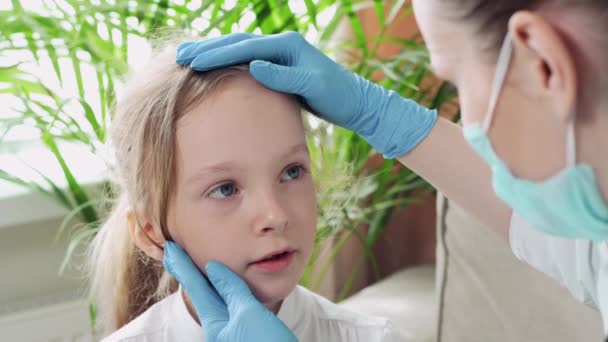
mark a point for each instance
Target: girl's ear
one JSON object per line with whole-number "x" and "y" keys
{"x": 146, "y": 237}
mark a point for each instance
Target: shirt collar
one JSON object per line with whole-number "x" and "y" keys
{"x": 292, "y": 310}
{"x": 291, "y": 313}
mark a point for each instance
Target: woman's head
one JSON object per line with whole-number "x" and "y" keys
{"x": 558, "y": 48}
{"x": 217, "y": 163}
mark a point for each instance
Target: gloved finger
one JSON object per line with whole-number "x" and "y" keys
{"x": 230, "y": 286}
{"x": 285, "y": 79}
{"x": 186, "y": 53}
{"x": 275, "y": 48}
{"x": 208, "y": 303}
{"x": 184, "y": 45}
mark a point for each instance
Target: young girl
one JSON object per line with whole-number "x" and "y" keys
{"x": 218, "y": 164}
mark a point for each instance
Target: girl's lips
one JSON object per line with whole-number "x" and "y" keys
{"x": 275, "y": 262}
{"x": 276, "y": 252}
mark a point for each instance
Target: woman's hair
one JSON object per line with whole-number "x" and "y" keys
{"x": 124, "y": 281}
{"x": 491, "y": 17}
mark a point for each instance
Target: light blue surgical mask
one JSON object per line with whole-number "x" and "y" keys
{"x": 568, "y": 204}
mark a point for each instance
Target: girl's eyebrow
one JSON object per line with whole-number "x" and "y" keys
{"x": 295, "y": 149}
{"x": 217, "y": 168}
{"x": 231, "y": 165}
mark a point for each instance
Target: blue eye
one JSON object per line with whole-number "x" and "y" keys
{"x": 223, "y": 191}
{"x": 293, "y": 172}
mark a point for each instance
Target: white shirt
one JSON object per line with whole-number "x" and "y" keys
{"x": 309, "y": 316}
{"x": 579, "y": 265}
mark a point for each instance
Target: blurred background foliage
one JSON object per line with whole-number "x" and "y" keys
{"x": 85, "y": 48}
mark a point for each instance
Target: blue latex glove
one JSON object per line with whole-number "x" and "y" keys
{"x": 287, "y": 63}
{"x": 227, "y": 309}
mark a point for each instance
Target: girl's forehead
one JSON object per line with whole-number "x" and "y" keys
{"x": 241, "y": 109}
{"x": 243, "y": 124}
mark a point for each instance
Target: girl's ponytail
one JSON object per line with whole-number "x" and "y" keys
{"x": 126, "y": 281}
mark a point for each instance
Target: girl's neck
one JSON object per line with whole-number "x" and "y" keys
{"x": 274, "y": 307}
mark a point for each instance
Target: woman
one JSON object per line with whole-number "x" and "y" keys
{"x": 529, "y": 161}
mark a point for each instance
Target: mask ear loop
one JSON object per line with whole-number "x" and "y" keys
{"x": 570, "y": 143}
{"x": 502, "y": 66}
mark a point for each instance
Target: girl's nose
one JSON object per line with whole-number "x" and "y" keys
{"x": 270, "y": 215}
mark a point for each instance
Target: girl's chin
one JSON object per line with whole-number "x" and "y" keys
{"x": 272, "y": 295}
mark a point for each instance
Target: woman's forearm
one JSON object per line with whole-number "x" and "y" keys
{"x": 446, "y": 161}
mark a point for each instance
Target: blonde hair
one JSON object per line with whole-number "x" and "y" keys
{"x": 125, "y": 282}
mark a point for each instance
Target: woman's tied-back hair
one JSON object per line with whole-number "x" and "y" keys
{"x": 491, "y": 17}
{"x": 490, "y": 20}
{"x": 125, "y": 281}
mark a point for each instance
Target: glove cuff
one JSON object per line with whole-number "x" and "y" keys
{"x": 401, "y": 124}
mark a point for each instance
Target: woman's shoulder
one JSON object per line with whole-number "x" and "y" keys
{"x": 574, "y": 263}
{"x": 161, "y": 322}
{"x": 311, "y": 312}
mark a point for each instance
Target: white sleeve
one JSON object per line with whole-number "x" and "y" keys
{"x": 573, "y": 263}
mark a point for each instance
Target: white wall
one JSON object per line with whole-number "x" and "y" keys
{"x": 36, "y": 303}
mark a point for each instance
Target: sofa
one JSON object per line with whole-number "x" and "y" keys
{"x": 477, "y": 291}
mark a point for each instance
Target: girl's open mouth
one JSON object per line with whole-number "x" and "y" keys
{"x": 274, "y": 263}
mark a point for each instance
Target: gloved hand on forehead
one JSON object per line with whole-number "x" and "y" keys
{"x": 287, "y": 63}
{"x": 227, "y": 309}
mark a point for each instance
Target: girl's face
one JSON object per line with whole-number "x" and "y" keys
{"x": 243, "y": 192}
